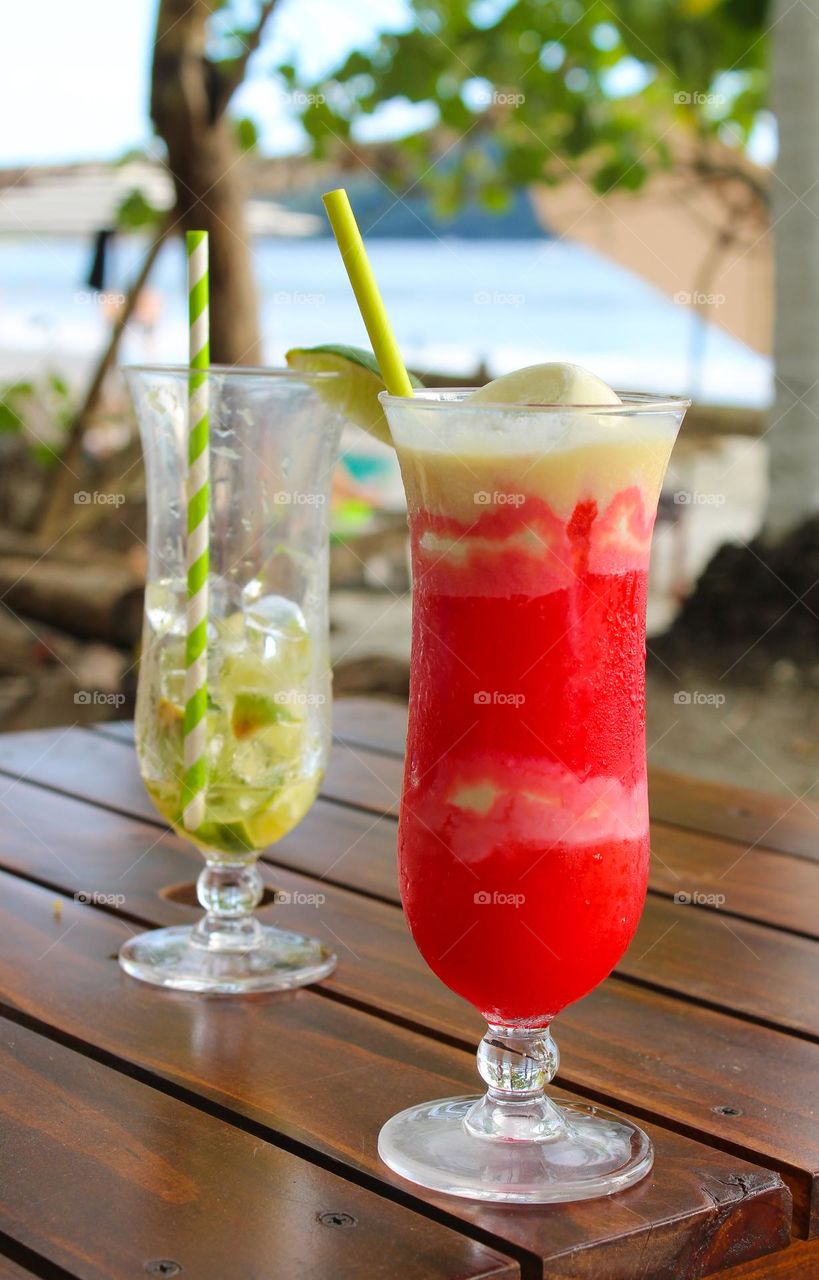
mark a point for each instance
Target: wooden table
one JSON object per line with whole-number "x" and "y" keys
{"x": 150, "y": 1133}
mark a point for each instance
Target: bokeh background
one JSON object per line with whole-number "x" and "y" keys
{"x": 628, "y": 185}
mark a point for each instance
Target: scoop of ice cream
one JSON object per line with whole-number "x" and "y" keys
{"x": 554, "y": 383}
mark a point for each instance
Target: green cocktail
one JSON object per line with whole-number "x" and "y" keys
{"x": 260, "y": 661}
{"x": 264, "y": 750}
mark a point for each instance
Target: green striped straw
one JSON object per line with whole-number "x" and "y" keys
{"x": 197, "y": 556}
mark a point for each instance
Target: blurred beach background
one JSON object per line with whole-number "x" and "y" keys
{"x": 456, "y": 305}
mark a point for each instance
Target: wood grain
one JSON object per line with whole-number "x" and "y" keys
{"x": 799, "y": 1262}
{"x": 758, "y": 883}
{"x": 175, "y": 1183}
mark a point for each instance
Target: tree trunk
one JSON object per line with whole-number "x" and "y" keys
{"x": 794, "y": 433}
{"x": 188, "y": 99}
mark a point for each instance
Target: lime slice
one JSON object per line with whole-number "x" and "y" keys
{"x": 355, "y": 393}
{"x": 254, "y": 711}
{"x": 287, "y": 809}
{"x": 169, "y": 715}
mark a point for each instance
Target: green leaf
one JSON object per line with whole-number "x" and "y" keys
{"x": 135, "y": 212}
{"x": 247, "y": 135}
{"x": 10, "y": 420}
{"x": 495, "y": 198}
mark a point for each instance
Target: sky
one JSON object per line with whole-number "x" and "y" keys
{"x": 79, "y": 91}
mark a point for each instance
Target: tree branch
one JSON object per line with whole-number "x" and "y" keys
{"x": 230, "y": 80}
{"x": 52, "y": 517}
{"x": 726, "y": 172}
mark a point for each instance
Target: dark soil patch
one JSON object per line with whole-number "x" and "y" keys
{"x": 753, "y": 606}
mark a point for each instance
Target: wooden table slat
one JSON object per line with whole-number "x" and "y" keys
{"x": 176, "y": 1183}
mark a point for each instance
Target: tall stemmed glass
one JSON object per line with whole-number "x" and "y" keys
{"x": 523, "y": 836}
{"x": 273, "y": 445}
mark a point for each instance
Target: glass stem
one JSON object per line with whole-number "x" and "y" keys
{"x": 229, "y": 892}
{"x": 516, "y": 1064}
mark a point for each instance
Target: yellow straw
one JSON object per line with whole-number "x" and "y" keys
{"x": 370, "y": 304}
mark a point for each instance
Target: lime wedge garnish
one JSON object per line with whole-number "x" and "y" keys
{"x": 355, "y": 393}
{"x": 254, "y": 711}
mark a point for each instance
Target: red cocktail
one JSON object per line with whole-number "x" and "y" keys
{"x": 523, "y": 839}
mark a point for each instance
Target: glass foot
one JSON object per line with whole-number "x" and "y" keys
{"x": 275, "y": 961}
{"x": 588, "y": 1152}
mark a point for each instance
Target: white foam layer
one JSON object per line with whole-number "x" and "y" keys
{"x": 537, "y": 806}
{"x": 486, "y": 431}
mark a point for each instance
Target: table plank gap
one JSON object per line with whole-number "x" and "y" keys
{"x": 20, "y": 1263}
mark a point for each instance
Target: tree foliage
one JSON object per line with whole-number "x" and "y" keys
{"x": 536, "y": 90}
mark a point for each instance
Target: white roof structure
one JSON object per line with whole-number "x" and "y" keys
{"x": 86, "y": 200}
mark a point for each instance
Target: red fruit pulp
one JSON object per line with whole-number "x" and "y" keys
{"x": 523, "y": 839}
